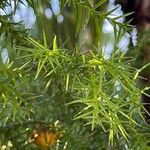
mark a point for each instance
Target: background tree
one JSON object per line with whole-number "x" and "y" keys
{"x": 141, "y": 19}
{"x": 58, "y": 90}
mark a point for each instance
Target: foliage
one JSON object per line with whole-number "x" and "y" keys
{"x": 57, "y": 91}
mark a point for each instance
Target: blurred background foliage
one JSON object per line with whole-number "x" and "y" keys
{"x": 59, "y": 89}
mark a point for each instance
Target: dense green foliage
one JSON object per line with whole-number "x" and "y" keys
{"x": 54, "y": 78}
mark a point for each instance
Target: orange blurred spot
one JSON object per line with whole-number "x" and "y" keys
{"x": 44, "y": 138}
{"x": 52, "y": 138}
